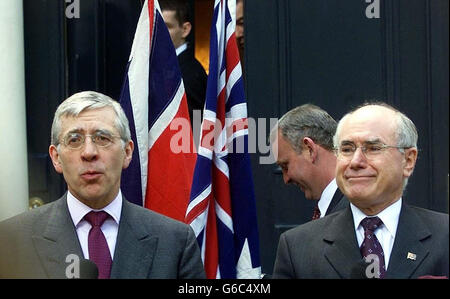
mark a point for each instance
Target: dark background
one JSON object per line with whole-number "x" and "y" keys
{"x": 325, "y": 52}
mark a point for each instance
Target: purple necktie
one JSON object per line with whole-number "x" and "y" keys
{"x": 98, "y": 247}
{"x": 316, "y": 213}
{"x": 370, "y": 244}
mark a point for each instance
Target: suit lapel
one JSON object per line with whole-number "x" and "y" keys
{"x": 58, "y": 240}
{"x": 407, "y": 240}
{"x": 342, "y": 251}
{"x": 135, "y": 247}
{"x": 335, "y": 202}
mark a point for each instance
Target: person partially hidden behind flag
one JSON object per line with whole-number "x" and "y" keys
{"x": 240, "y": 30}
{"x": 90, "y": 145}
{"x": 178, "y": 19}
{"x": 378, "y": 235}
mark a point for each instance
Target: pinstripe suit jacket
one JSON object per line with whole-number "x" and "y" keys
{"x": 327, "y": 247}
{"x": 35, "y": 244}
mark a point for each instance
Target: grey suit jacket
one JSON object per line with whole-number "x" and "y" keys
{"x": 327, "y": 247}
{"x": 35, "y": 244}
{"x": 338, "y": 202}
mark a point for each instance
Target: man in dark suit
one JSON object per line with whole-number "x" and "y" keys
{"x": 90, "y": 145}
{"x": 178, "y": 19}
{"x": 378, "y": 235}
{"x": 302, "y": 142}
{"x": 240, "y": 29}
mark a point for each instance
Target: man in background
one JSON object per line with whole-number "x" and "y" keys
{"x": 302, "y": 142}
{"x": 178, "y": 19}
{"x": 240, "y": 29}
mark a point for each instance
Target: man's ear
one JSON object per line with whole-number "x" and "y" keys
{"x": 129, "y": 147}
{"x": 54, "y": 155}
{"x": 410, "y": 161}
{"x": 187, "y": 27}
{"x": 311, "y": 147}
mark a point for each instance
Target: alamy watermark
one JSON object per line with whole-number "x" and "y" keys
{"x": 72, "y": 9}
{"x": 73, "y": 267}
{"x": 373, "y": 9}
{"x": 373, "y": 269}
{"x": 224, "y": 137}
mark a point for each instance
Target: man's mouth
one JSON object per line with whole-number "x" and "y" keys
{"x": 91, "y": 175}
{"x": 360, "y": 178}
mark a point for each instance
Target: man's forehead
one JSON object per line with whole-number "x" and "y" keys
{"x": 373, "y": 113}
{"x": 283, "y": 148}
{"x": 98, "y": 117}
{"x": 366, "y": 134}
{"x": 373, "y": 122}
{"x": 100, "y": 112}
{"x": 169, "y": 16}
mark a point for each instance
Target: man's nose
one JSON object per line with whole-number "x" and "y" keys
{"x": 89, "y": 150}
{"x": 358, "y": 160}
{"x": 239, "y": 31}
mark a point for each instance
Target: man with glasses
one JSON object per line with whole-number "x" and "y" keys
{"x": 90, "y": 145}
{"x": 378, "y": 235}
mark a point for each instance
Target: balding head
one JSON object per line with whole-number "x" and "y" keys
{"x": 377, "y": 152}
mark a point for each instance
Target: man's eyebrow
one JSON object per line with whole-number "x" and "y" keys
{"x": 75, "y": 130}
{"x": 80, "y": 130}
{"x": 370, "y": 141}
{"x": 103, "y": 131}
{"x": 373, "y": 141}
{"x": 347, "y": 142}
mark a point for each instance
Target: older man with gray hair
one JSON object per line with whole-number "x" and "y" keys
{"x": 378, "y": 235}
{"x": 302, "y": 142}
{"x": 90, "y": 145}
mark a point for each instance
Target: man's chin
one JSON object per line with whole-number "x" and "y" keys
{"x": 360, "y": 198}
{"x": 90, "y": 196}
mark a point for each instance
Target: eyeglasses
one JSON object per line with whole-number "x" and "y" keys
{"x": 100, "y": 138}
{"x": 370, "y": 150}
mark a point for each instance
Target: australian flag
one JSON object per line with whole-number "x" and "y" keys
{"x": 222, "y": 209}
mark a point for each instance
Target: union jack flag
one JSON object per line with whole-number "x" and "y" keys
{"x": 153, "y": 98}
{"x": 222, "y": 209}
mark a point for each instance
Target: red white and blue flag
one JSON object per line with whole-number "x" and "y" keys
{"x": 153, "y": 98}
{"x": 222, "y": 209}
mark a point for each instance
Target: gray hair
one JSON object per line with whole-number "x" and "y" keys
{"x": 89, "y": 100}
{"x": 306, "y": 121}
{"x": 406, "y": 132}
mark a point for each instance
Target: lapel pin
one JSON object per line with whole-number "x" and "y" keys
{"x": 411, "y": 256}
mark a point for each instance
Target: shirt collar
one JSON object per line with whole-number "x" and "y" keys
{"x": 78, "y": 210}
{"x": 327, "y": 196}
{"x": 181, "y": 48}
{"x": 389, "y": 216}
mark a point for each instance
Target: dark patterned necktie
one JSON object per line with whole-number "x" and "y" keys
{"x": 97, "y": 245}
{"x": 370, "y": 244}
{"x": 316, "y": 213}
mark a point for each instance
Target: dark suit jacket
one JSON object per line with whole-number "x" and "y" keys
{"x": 327, "y": 247}
{"x": 35, "y": 244}
{"x": 194, "y": 78}
{"x": 338, "y": 202}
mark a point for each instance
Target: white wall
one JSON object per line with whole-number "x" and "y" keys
{"x": 13, "y": 144}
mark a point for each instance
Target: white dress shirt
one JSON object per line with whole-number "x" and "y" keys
{"x": 181, "y": 48}
{"x": 326, "y": 197}
{"x": 386, "y": 232}
{"x": 110, "y": 227}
